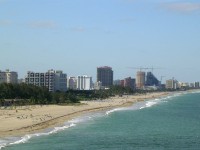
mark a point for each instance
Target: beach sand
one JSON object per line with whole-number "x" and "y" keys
{"x": 18, "y": 121}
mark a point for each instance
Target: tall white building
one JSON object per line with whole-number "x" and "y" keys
{"x": 8, "y": 77}
{"x": 84, "y": 83}
{"x": 52, "y": 80}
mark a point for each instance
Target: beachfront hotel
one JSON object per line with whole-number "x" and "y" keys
{"x": 105, "y": 76}
{"x": 8, "y": 76}
{"x": 84, "y": 83}
{"x": 52, "y": 80}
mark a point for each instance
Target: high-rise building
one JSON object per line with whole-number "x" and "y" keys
{"x": 105, "y": 76}
{"x": 72, "y": 83}
{"x": 8, "y": 77}
{"x": 52, "y": 80}
{"x": 60, "y": 81}
{"x": 129, "y": 82}
{"x": 151, "y": 80}
{"x": 140, "y": 79}
{"x": 196, "y": 84}
{"x": 84, "y": 83}
{"x": 171, "y": 84}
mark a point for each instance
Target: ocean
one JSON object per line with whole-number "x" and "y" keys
{"x": 171, "y": 122}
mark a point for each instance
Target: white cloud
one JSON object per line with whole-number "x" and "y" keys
{"x": 182, "y": 7}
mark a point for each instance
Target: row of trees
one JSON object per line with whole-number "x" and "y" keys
{"x": 30, "y": 94}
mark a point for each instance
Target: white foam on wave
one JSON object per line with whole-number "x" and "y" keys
{"x": 2, "y": 144}
{"x": 68, "y": 124}
{"x": 116, "y": 109}
{"x": 165, "y": 99}
{"x": 198, "y": 91}
{"x": 26, "y": 138}
{"x": 151, "y": 103}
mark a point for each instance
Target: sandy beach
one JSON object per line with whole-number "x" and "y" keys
{"x": 17, "y": 121}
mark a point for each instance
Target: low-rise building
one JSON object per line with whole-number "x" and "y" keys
{"x": 98, "y": 85}
{"x": 116, "y": 82}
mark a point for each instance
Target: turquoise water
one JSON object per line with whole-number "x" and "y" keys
{"x": 166, "y": 123}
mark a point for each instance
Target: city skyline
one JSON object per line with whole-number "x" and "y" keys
{"x": 78, "y": 36}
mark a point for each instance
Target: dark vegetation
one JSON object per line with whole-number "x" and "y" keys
{"x": 23, "y": 94}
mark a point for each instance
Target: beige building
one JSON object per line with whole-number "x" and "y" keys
{"x": 140, "y": 79}
{"x": 171, "y": 84}
{"x": 8, "y": 77}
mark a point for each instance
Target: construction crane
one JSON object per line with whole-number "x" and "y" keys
{"x": 143, "y": 68}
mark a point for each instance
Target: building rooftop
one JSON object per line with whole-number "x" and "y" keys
{"x": 104, "y": 67}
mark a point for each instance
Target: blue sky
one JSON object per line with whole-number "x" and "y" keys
{"x": 76, "y": 36}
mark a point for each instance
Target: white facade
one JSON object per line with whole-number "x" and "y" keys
{"x": 8, "y": 77}
{"x": 52, "y": 80}
{"x": 84, "y": 83}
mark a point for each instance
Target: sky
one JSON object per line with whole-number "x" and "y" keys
{"x": 77, "y": 36}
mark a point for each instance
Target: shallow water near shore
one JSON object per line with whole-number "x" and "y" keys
{"x": 170, "y": 122}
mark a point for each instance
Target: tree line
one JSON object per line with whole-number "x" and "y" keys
{"x": 31, "y": 95}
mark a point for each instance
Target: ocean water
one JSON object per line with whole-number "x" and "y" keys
{"x": 171, "y": 122}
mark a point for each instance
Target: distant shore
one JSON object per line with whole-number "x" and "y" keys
{"x": 19, "y": 121}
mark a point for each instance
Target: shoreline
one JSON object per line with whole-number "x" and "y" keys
{"x": 33, "y": 119}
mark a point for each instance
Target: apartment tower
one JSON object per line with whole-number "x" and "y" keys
{"x": 8, "y": 77}
{"x": 105, "y": 76}
{"x": 84, "y": 83}
{"x": 52, "y": 80}
{"x": 140, "y": 79}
